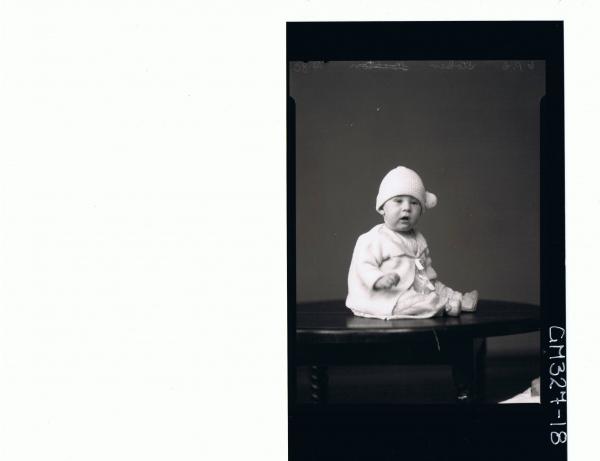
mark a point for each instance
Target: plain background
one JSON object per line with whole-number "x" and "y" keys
{"x": 142, "y": 154}
{"x": 470, "y": 129}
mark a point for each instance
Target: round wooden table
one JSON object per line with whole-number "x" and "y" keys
{"x": 328, "y": 333}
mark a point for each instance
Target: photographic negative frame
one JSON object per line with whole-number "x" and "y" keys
{"x": 472, "y": 431}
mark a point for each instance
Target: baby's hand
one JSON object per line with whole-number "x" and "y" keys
{"x": 387, "y": 281}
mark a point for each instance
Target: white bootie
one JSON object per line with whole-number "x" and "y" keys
{"x": 469, "y": 301}
{"x": 453, "y": 305}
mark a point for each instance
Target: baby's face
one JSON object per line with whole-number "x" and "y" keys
{"x": 401, "y": 213}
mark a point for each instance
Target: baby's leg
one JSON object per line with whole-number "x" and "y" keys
{"x": 457, "y": 302}
{"x": 451, "y": 299}
{"x": 417, "y": 305}
{"x": 453, "y": 306}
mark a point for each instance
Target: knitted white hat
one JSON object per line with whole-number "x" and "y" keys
{"x": 404, "y": 181}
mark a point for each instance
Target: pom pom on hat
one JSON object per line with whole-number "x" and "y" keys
{"x": 404, "y": 181}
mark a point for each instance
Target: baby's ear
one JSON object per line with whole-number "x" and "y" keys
{"x": 380, "y": 211}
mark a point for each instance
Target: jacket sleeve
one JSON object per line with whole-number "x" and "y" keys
{"x": 429, "y": 270}
{"x": 367, "y": 259}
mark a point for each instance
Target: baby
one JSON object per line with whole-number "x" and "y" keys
{"x": 390, "y": 274}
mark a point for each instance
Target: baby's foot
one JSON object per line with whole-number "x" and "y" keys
{"x": 469, "y": 301}
{"x": 453, "y": 305}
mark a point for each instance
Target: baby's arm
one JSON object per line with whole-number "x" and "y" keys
{"x": 429, "y": 271}
{"x": 449, "y": 298}
{"x": 368, "y": 259}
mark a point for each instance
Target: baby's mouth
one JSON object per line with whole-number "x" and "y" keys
{"x": 405, "y": 219}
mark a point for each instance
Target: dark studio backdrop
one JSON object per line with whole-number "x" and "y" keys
{"x": 471, "y": 129}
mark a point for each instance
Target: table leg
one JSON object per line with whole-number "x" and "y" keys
{"x": 480, "y": 367}
{"x": 319, "y": 384}
{"x": 468, "y": 368}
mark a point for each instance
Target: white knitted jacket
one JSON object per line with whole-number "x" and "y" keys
{"x": 379, "y": 252}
